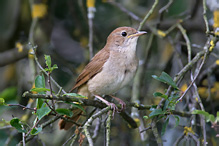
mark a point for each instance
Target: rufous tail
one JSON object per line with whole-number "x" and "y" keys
{"x": 67, "y": 125}
{"x": 83, "y": 90}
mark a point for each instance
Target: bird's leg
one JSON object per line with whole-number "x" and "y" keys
{"x": 123, "y": 104}
{"x": 112, "y": 105}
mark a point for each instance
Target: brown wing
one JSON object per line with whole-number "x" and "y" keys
{"x": 93, "y": 67}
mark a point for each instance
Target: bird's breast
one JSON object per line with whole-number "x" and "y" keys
{"x": 116, "y": 73}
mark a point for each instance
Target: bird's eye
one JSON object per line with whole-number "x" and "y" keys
{"x": 124, "y": 34}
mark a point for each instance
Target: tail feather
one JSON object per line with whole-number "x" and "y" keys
{"x": 67, "y": 125}
{"x": 82, "y": 90}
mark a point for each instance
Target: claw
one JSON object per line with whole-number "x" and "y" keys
{"x": 121, "y": 102}
{"x": 113, "y": 107}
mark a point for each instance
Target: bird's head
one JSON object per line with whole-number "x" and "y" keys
{"x": 124, "y": 36}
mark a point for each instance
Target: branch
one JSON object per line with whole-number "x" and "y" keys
{"x": 12, "y": 56}
{"x": 188, "y": 43}
{"x": 148, "y": 14}
{"x": 188, "y": 66}
{"x": 43, "y": 70}
{"x": 47, "y": 123}
{"x": 87, "y": 102}
{"x": 166, "y": 6}
{"x": 123, "y": 9}
{"x": 204, "y": 16}
{"x": 89, "y": 122}
{"x": 199, "y": 69}
{"x": 108, "y": 124}
{"x": 24, "y": 107}
{"x": 95, "y": 103}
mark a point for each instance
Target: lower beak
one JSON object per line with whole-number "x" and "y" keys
{"x": 137, "y": 34}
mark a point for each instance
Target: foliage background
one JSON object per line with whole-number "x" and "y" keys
{"x": 63, "y": 32}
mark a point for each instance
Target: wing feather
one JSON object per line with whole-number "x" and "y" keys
{"x": 93, "y": 67}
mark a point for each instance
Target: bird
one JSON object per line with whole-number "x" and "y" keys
{"x": 112, "y": 68}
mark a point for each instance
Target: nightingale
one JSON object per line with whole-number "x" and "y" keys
{"x": 112, "y": 68}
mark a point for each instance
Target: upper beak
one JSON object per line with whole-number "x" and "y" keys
{"x": 137, "y": 34}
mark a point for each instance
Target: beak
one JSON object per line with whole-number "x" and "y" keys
{"x": 138, "y": 33}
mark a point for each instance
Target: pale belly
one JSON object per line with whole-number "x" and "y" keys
{"x": 111, "y": 79}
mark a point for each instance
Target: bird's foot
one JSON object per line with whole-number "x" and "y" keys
{"x": 121, "y": 102}
{"x": 112, "y": 105}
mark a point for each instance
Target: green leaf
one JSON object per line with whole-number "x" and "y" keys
{"x": 40, "y": 81}
{"x": 36, "y": 131}
{"x": 15, "y": 122}
{"x": 63, "y": 111}
{"x": 165, "y": 78}
{"x": 43, "y": 111}
{"x": 156, "y": 112}
{"x": 200, "y": 112}
{"x": 39, "y": 103}
{"x": 158, "y": 94}
{"x": 75, "y": 95}
{"x": 48, "y": 61}
{"x": 54, "y": 67}
{"x": 164, "y": 127}
{"x": 2, "y": 101}
{"x": 176, "y": 121}
{"x": 76, "y": 105}
{"x": 47, "y": 69}
{"x": 210, "y": 118}
{"x": 145, "y": 117}
{"x": 38, "y": 90}
{"x": 166, "y": 104}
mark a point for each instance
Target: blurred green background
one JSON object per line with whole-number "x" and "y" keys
{"x": 63, "y": 31}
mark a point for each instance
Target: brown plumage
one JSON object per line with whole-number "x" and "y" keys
{"x": 92, "y": 68}
{"x": 110, "y": 69}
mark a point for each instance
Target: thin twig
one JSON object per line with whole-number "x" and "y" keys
{"x": 57, "y": 85}
{"x": 123, "y": 9}
{"x": 148, "y": 14}
{"x": 47, "y": 123}
{"x": 50, "y": 87}
{"x": 31, "y": 32}
{"x": 145, "y": 129}
{"x": 74, "y": 139}
{"x": 176, "y": 143}
{"x": 166, "y": 6}
{"x": 89, "y": 122}
{"x": 205, "y": 17}
{"x": 188, "y": 43}
{"x": 24, "y": 107}
{"x": 188, "y": 66}
{"x": 32, "y": 128}
{"x": 23, "y": 137}
{"x": 69, "y": 139}
{"x": 195, "y": 139}
{"x": 108, "y": 123}
{"x": 199, "y": 69}
{"x": 97, "y": 129}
